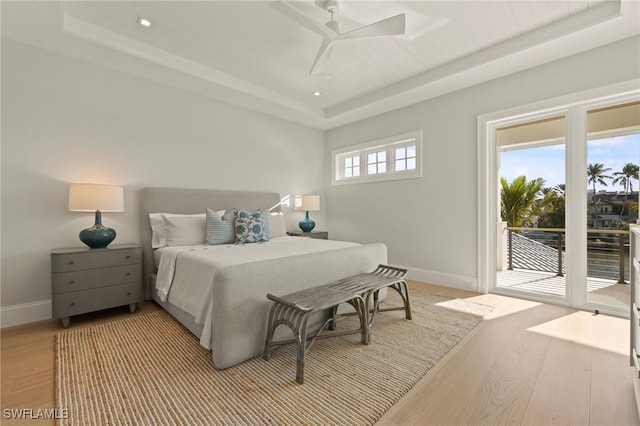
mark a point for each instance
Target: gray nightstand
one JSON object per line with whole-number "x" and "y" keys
{"x": 86, "y": 280}
{"x": 323, "y": 235}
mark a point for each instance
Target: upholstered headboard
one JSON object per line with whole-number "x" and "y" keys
{"x": 183, "y": 200}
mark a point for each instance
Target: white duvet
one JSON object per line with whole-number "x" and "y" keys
{"x": 185, "y": 273}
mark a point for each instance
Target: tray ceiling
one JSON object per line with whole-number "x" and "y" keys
{"x": 249, "y": 54}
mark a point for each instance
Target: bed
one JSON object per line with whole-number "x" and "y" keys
{"x": 232, "y": 312}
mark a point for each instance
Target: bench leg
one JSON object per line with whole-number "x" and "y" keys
{"x": 297, "y": 321}
{"x": 363, "y": 315}
{"x": 301, "y": 335}
{"x": 266, "y": 354}
{"x": 334, "y": 317}
{"x": 371, "y": 310}
{"x": 403, "y": 290}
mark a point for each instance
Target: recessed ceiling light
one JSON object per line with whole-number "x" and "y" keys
{"x": 316, "y": 93}
{"x": 144, "y": 22}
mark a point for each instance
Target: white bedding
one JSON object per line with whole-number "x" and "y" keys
{"x": 185, "y": 273}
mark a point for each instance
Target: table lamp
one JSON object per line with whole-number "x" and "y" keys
{"x": 89, "y": 197}
{"x": 307, "y": 203}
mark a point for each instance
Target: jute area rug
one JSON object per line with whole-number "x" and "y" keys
{"x": 149, "y": 370}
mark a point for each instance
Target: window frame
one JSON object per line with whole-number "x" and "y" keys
{"x": 388, "y": 145}
{"x": 353, "y": 166}
{"x": 378, "y": 161}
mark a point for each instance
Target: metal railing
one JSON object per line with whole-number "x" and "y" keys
{"x": 607, "y": 251}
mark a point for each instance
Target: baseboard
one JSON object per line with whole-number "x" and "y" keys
{"x": 25, "y": 313}
{"x": 460, "y": 282}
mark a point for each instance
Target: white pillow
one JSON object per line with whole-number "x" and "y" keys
{"x": 158, "y": 236}
{"x": 185, "y": 230}
{"x": 158, "y": 227}
{"x": 277, "y": 227}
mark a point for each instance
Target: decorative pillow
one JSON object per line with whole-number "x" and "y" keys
{"x": 185, "y": 230}
{"x": 267, "y": 224}
{"x": 158, "y": 226}
{"x": 220, "y": 227}
{"x": 277, "y": 227}
{"x": 249, "y": 227}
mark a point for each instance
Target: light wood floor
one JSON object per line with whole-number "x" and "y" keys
{"x": 527, "y": 364}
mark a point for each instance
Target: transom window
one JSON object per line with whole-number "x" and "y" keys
{"x": 352, "y": 166}
{"x": 406, "y": 158}
{"x": 377, "y": 162}
{"x": 395, "y": 157}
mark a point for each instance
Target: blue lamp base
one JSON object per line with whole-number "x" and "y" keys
{"x": 307, "y": 224}
{"x": 97, "y": 236}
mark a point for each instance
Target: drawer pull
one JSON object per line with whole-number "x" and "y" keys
{"x": 72, "y": 304}
{"x": 128, "y": 293}
{"x": 72, "y": 282}
{"x": 128, "y": 273}
{"x": 71, "y": 262}
{"x": 127, "y": 257}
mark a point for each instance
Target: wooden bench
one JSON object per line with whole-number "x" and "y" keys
{"x": 360, "y": 291}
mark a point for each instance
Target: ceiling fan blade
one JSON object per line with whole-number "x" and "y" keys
{"x": 302, "y": 19}
{"x": 394, "y": 25}
{"x": 323, "y": 54}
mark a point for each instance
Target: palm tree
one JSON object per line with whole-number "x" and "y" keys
{"x": 596, "y": 173}
{"x": 552, "y": 207}
{"x": 560, "y": 189}
{"x": 629, "y": 171}
{"x": 520, "y": 201}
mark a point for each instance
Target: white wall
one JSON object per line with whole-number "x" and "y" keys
{"x": 430, "y": 224}
{"x": 65, "y": 121}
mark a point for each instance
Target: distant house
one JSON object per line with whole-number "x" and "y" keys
{"x": 612, "y": 210}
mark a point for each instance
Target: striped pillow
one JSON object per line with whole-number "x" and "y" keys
{"x": 220, "y": 229}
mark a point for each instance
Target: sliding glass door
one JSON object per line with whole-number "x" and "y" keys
{"x": 531, "y": 157}
{"x": 562, "y": 187}
{"x": 613, "y": 149}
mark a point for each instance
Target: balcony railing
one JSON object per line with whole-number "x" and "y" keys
{"x": 542, "y": 249}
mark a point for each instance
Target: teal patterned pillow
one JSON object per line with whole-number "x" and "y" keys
{"x": 250, "y": 227}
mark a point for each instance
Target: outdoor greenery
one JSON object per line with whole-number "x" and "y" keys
{"x": 596, "y": 174}
{"x": 525, "y": 203}
{"x": 521, "y": 201}
{"x": 553, "y": 211}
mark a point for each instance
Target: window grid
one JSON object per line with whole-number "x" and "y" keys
{"x": 405, "y": 158}
{"x": 391, "y": 158}
{"x": 377, "y": 162}
{"x": 352, "y": 166}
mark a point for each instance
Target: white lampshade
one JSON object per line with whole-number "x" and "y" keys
{"x": 307, "y": 202}
{"x": 89, "y": 197}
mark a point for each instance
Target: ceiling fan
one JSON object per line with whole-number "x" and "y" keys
{"x": 330, "y": 32}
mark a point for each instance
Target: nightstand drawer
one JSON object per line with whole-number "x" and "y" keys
{"x": 79, "y": 302}
{"x": 94, "y": 278}
{"x": 100, "y": 258}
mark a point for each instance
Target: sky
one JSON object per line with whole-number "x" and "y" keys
{"x": 548, "y": 162}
